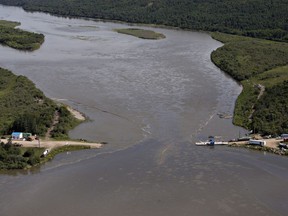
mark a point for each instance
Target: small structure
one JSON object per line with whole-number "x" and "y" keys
{"x": 284, "y": 137}
{"x": 27, "y": 135}
{"x": 17, "y": 135}
{"x": 212, "y": 140}
{"x": 20, "y": 135}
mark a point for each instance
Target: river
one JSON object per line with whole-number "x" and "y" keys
{"x": 151, "y": 101}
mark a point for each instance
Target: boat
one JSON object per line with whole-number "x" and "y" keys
{"x": 225, "y": 115}
{"x": 208, "y": 143}
{"x": 212, "y": 140}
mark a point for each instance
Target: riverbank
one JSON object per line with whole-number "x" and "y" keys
{"x": 78, "y": 115}
{"x": 261, "y": 68}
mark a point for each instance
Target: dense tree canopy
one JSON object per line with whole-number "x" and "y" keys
{"x": 271, "y": 111}
{"x": 260, "y": 65}
{"x": 23, "y": 107}
{"x": 257, "y": 18}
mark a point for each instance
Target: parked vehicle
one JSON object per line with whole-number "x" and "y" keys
{"x": 257, "y": 142}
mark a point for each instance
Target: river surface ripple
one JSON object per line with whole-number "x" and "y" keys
{"x": 150, "y": 100}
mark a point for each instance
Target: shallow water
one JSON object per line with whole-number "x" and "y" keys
{"x": 150, "y": 100}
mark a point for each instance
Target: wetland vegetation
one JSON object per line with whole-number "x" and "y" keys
{"x": 17, "y": 38}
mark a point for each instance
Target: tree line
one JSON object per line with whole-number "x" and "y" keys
{"x": 256, "y": 63}
{"x": 255, "y": 18}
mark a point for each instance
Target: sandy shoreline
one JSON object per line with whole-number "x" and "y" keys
{"x": 78, "y": 115}
{"x": 51, "y": 144}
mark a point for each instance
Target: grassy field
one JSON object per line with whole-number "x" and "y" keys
{"x": 256, "y": 63}
{"x": 141, "y": 33}
{"x": 17, "y": 38}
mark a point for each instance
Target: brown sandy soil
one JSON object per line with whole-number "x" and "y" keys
{"x": 272, "y": 143}
{"x": 50, "y": 144}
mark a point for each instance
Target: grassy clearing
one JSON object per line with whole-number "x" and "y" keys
{"x": 252, "y": 62}
{"x": 141, "y": 33}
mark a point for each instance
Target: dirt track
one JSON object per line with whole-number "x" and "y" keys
{"x": 50, "y": 144}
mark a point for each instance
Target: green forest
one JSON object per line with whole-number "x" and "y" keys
{"x": 257, "y": 64}
{"x": 25, "y": 108}
{"x": 255, "y": 18}
{"x": 12, "y": 157}
{"x": 17, "y": 38}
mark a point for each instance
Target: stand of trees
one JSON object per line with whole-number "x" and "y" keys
{"x": 23, "y": 106}
{"x": 257, "y": 64}
{"x": 271, "y": 110}
{"x": 12, "y": 157}
{"x": 255, "y": 18}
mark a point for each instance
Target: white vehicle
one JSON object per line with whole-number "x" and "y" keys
{"x": 45, "y": 152}
{"x": 257, "y": 142}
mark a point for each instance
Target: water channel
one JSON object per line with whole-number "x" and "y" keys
{"x": 151, "y": 101}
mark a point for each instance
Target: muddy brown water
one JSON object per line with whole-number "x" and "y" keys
{"x": 151, "y": 101}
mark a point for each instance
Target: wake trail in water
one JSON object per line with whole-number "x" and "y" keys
{"x": 202, "y": 126}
